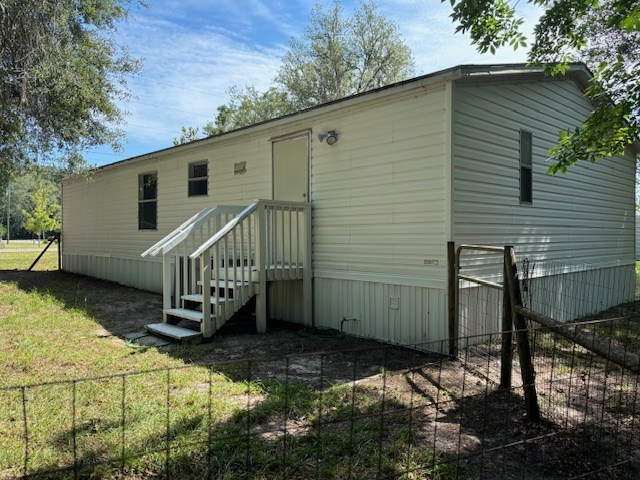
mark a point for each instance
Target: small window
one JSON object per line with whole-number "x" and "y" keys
{"x": 198, "y": 179}
{"x": 526, "y": 167}
{"x": 148, "y": 201}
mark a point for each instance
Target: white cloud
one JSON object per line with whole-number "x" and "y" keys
{"x": 430, "y": 33}
{"x": 194, "y": 50}
{"x": 186, "y": 75}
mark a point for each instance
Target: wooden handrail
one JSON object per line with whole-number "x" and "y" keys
{"x": 225, "y": 230}
{"x": 242, "y": 216}
{"x": 156, "y": 247}
{"x": 180, "y": 233}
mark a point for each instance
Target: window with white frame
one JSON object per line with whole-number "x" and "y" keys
{"x": 148, "y": 201}
{"x": 198, "y": 178}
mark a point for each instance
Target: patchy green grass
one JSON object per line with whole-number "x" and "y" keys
{"x": 23, "y": 245}
{"x": 175, "y": 419}
{"x": 14, "y": 260}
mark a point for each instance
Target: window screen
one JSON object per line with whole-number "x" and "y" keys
{"x": 526, "y": 167}
{"x": 198, "y": 178}
{"x": 148, "y": 201}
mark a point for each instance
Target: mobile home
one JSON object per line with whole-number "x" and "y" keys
{"x": 339, "y": 216}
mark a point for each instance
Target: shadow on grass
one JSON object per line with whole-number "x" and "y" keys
{"x": 352, "y": 431}
{"x": 290, "y": 431}
{"x": 122, "y": 310}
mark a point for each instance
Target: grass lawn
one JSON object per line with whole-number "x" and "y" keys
{"x": 171, "y": 417}
{"x": 23, "y": 244}
{"x": 11, "y": 260}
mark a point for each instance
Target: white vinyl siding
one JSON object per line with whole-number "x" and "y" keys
{"x": 585, "y": 216}
{"x": 380, "y": 219}
{"x": 100, "y": 215}
{"x": 378, "y": 194}
{"x": 418, "y": 315}
{"x": 637, "y": 237}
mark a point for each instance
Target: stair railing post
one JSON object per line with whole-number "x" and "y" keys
{"x": 307, "y": 272}
{"x": 167, "y": 287}
{"x": 261, "y": 297}
{"x": 205, "y": 269}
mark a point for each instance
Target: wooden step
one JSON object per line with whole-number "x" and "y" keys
{"x": 171, "y": 331}
{"x": 196, "y": 297}
{"x": 185, "y": 313}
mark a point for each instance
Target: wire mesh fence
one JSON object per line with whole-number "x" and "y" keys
{"x": 563, "y": 291}
{"x": 382, "y": 412}
{"x": 567, "y": 292}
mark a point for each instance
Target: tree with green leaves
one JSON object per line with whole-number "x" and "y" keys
{"x": 61, "y": 74}
{"x": 337, "y": 56}
{"x": 248, "y": 107}
{"x": 187, "y": 134}
{"x": 44, "y": 216}
{"x": 603, "y": 34}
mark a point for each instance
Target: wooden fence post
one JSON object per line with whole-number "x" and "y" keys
{"x": 506, "y": 353}
{"x": 522, "y": 336}
{"x": 590, "y": 341}
{"x": 451, "y": 299}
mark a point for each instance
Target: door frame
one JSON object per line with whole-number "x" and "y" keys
{"x": 290, "y": 136}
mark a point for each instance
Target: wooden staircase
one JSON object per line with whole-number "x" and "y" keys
{"x": 236, "y": 251}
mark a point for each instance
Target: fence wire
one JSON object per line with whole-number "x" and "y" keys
{"x": 565, "y": 292}
{"x": 381, "y": 412}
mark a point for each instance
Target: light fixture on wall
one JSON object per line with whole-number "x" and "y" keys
{"x": 331, "y": 137}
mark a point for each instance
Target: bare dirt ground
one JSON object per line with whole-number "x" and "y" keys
{"x": 122, "y": 311}
{"x": 453, "y": 406}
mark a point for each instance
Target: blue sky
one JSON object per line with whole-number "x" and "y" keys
{"x": 194, "y": 50}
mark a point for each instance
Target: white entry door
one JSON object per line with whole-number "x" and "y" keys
{"x": 291, "y": 169}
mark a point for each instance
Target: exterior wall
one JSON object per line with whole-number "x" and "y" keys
{"x": 100, "y": 216}
{"x": 584, "y": 218}
{"x": 402, "y": 314}
{"x": 637, "y": 237}
{"x": 379, "y": 219}
{"x": 379, "y": 211}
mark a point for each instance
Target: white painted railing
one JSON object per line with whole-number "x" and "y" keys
{"x": 201, "y": 223}
{"x": 179, "y": 270}
{"x": 268, "y": 240}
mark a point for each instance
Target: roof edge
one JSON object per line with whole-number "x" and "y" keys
{"x": 578, "y": 71}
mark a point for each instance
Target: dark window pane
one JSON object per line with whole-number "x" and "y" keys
{"x": 147, "y": 215}
{"x": 525, "y": 148}
{"x": 197, "y": 187}
{"x": 526, "y": 193}
{"x": 197, "y": 170}
{"x": 148, "y": 186}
